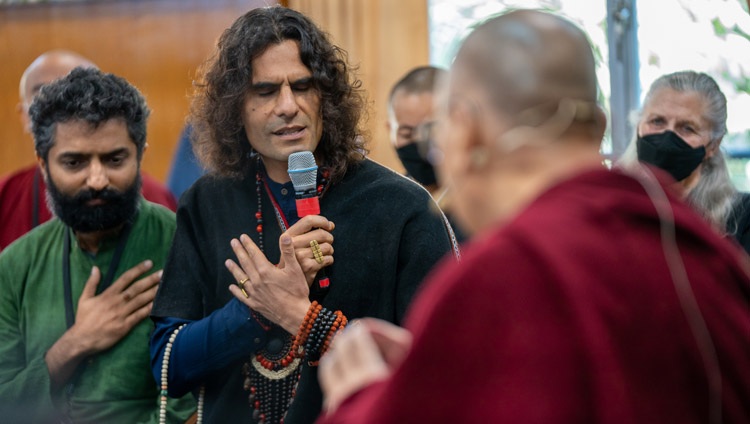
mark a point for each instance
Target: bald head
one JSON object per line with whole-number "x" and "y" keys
{"x": 518, "y": 116}
{"x": 528, "y": 59}
{"x": 44, "y": 69}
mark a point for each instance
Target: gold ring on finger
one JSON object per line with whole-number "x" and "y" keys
{"x": 241, "y": 283}
{"x": 317, "y": 254}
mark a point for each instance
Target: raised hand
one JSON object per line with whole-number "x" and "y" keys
{"x": 308, "y": 228}
{"x": 103, "y": 320}
{"x": 278, "y": 293}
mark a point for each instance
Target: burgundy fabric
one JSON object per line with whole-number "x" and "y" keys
{"x": 17, "y": 203}
{"x": 569, "y": 315}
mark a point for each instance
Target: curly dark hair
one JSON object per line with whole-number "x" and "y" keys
{"x": 219, "y": 139}
{"x": 92, "y": 96}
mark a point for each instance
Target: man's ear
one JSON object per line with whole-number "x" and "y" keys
{"x": 600, "y": 118}
{"x": 466, "y": 134}
{"x": 391, "y": 128}
{"x": 142, "y": 154}
{"x": 42, "y": 166}
{"x": 23, "y": 116}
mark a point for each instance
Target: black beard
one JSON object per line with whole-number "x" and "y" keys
{"x": 118, "y": 207}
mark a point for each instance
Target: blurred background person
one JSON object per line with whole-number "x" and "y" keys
{"x": 679, "y": 130}
{"x": 587, "y": 295}
{"x": 22, "y": 193}
{"x": 185, "y": 167}
{"x": 410, "y": 126}
{"x": 410, "y": 105}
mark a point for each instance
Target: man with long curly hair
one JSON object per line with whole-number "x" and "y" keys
{"x": 277, "y": 86}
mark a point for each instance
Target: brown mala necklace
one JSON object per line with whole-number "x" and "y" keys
{"x": 273, "y": 373}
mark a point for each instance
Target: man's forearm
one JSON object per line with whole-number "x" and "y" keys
{"x": 204, "y": 346}
{"x": 63, "y": 358}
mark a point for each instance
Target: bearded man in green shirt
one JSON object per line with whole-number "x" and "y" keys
{"x": 75, "y": 291}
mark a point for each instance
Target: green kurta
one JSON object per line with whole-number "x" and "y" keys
{"x": 114, "y": 386}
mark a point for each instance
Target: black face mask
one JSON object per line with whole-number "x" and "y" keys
{"x": 670, "y": 153}
{"x": 75, "y": 213}
{"x": 416, "y": 166}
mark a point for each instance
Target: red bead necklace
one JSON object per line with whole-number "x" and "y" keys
{"x": 272, "y": 379}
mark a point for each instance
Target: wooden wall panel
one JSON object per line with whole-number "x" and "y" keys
{"x": 156, "y": 44}
{"x": 385, "y": 39}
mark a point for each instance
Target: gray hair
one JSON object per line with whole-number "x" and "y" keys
{"x": 714, "y": 194}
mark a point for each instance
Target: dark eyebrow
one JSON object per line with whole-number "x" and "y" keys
{"x": 108, "y": 155}
{"x": 73, "y": 155}
{"x": 264, "y": 86}
{"x": 302, "y": 81}
{"x": 118, "y": 152}
{"x": 268, "y": 86}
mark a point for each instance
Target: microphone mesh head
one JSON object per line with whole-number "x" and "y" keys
{"x": 303, "y": 170}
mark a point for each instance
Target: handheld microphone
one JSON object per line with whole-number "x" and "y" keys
{"x": 304, "y": 174}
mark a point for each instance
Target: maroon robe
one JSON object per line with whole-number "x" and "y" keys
{"x": 569, "y": 314}
{"x": 17, "y": 202}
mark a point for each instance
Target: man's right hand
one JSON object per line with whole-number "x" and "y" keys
{"x": 102, "y": 320}
{"x": 308, "y": 228}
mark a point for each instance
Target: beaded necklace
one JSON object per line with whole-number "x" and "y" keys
{"x": 273, "y": 373}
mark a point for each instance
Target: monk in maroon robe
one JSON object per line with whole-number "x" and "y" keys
{"x": 586, "y": 295}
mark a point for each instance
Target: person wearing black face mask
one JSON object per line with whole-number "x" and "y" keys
{"x": 679, "y": 130}
{"x": 671, "y": 153}
{"x": 416, "y": 165}
{"x": 410, "y": 111}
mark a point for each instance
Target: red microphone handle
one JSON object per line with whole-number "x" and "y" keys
{"x": 311, "y": 206}
{"x": 308, "y": 206}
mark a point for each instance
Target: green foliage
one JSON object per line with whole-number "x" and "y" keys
{"x": 719, "y": 29}
{"x": 740, "y": 82}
